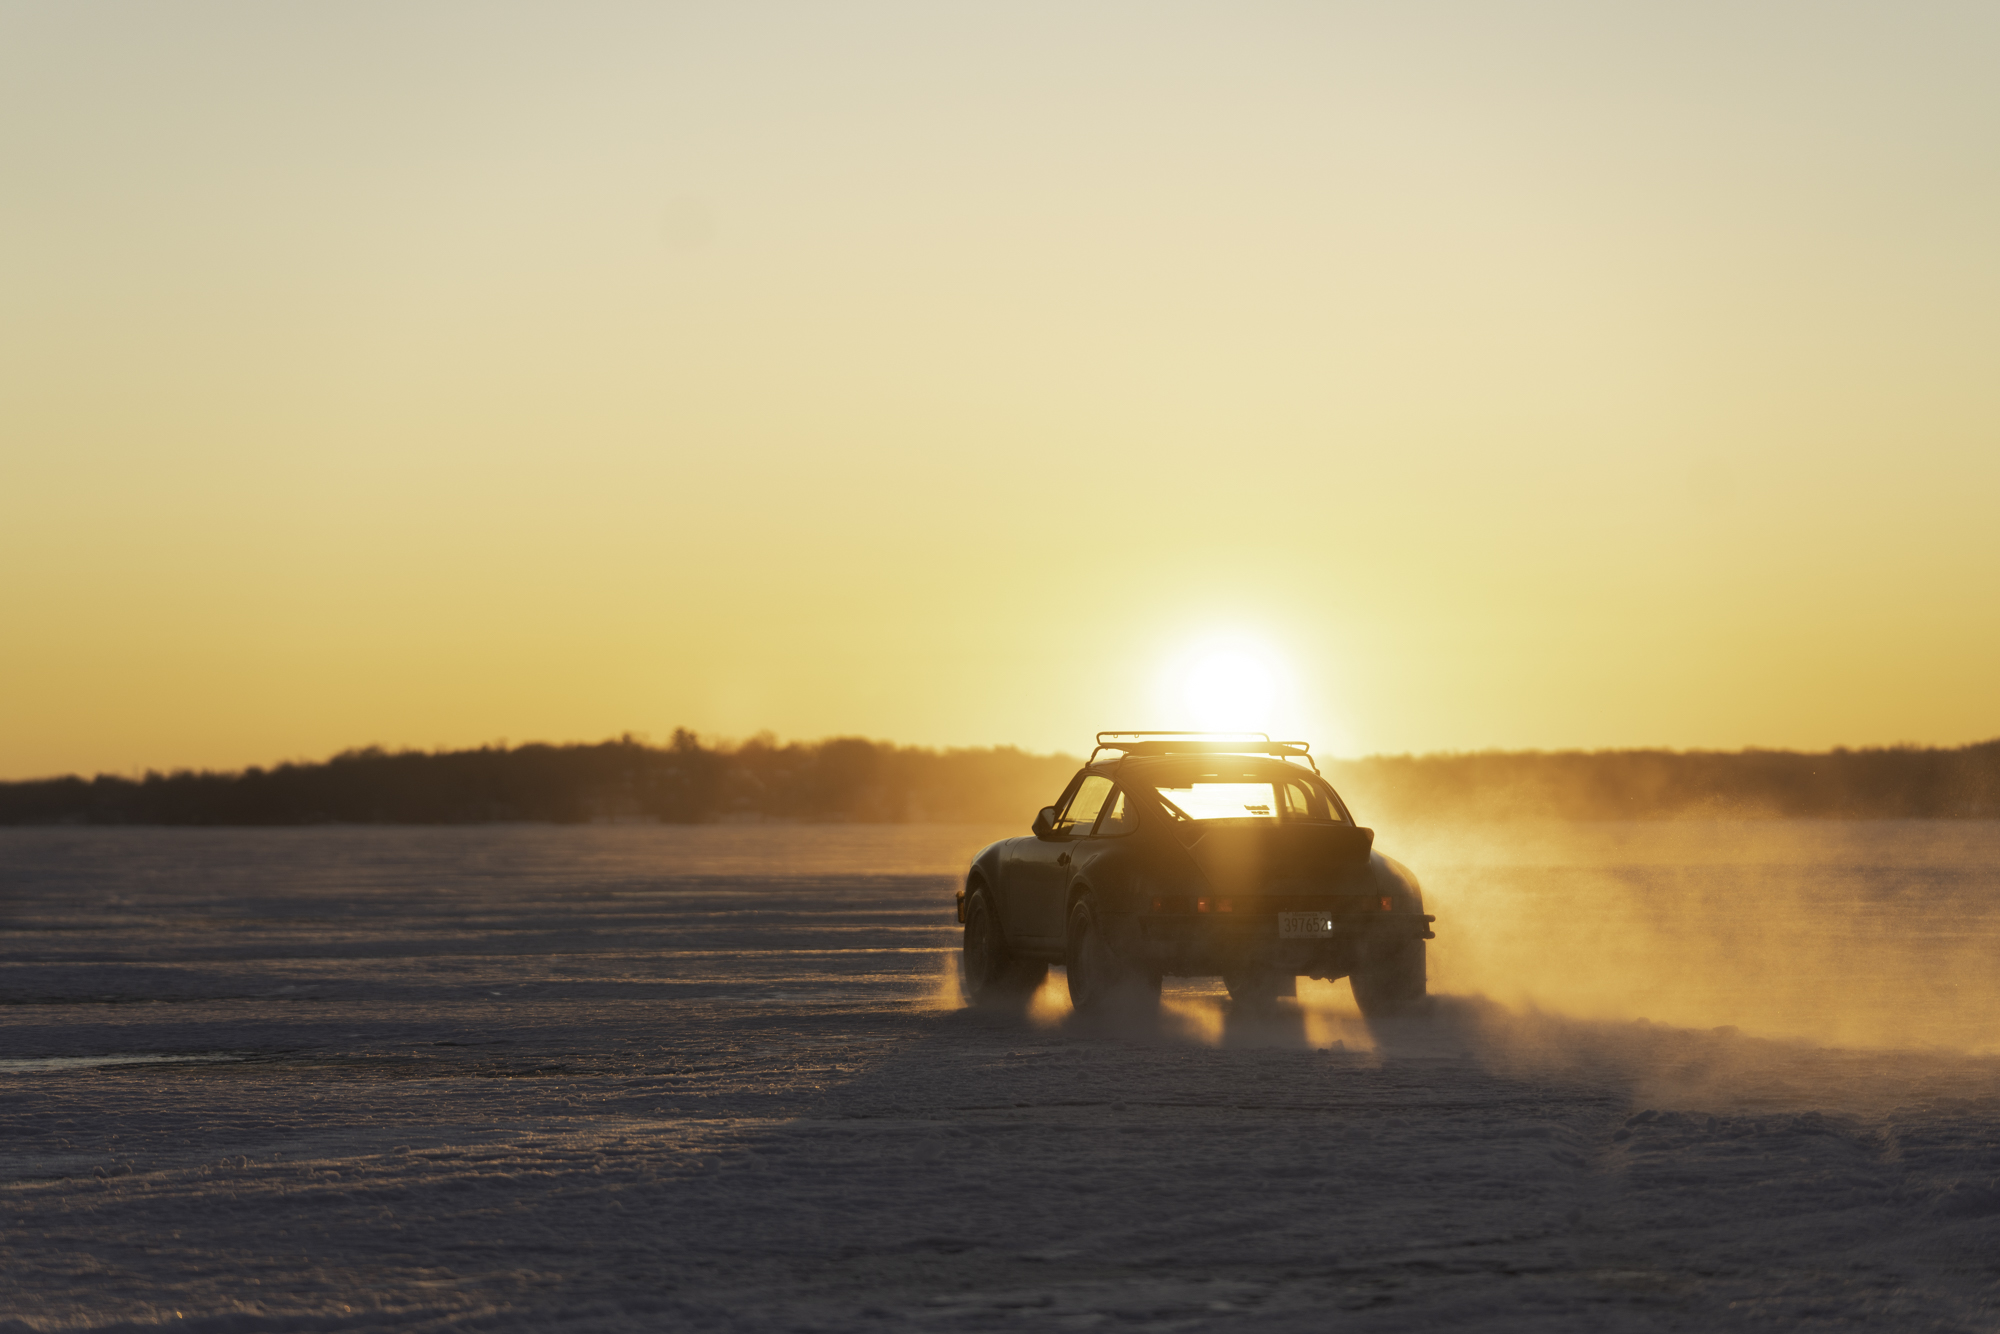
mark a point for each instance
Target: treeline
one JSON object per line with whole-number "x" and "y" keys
{"x": 683, "y": 782}
{"x": 1898, "y": 782}
{"x": 850, "y": 779}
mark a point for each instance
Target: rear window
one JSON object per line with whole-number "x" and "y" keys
{"x": 1224, "y": 801}
{"x": 1240, "y": 796}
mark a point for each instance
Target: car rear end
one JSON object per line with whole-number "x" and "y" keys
{"x": 1289, "y": 887}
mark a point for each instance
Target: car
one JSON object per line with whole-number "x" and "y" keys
{"x": 1194, "y": 855}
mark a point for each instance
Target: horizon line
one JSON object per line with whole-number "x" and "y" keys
{"x": 728, "y": 745}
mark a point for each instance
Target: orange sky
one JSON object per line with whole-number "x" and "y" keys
{"x": 1467, "y": 375}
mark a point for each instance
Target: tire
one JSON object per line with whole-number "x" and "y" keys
{"x": 1099, "y": 980}
{"x": 1393, "y": 986}
{"x": 993, "y": 973}
{"x": 1258, "y": 993}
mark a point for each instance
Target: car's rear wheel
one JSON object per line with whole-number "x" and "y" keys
{"x": 993, "y": 973}
{"x": 1394, "y": 985}
{"x": 1099, "y": 979}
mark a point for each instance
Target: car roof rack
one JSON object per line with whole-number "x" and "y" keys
{"x": 1202, "y": 743}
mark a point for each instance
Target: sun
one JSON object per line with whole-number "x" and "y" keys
{"x": 1229, "y": 690}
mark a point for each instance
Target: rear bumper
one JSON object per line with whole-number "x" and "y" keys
{"x": 1189, "y": 946}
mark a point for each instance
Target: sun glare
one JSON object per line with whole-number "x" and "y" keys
{"x": 1229, "y": 690}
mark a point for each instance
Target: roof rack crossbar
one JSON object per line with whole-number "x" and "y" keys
{"x": 1191, "y": 736}
{"x": 1201, "y": 743}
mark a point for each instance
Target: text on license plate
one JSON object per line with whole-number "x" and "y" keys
{"x": 1304, "y": 925}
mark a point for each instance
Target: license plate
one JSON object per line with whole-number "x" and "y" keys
{"x": 1305, "y": 925}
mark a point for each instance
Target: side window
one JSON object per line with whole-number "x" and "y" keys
{"x": 1302, "y": 803}
{"x": 1305, "y": 801}
{"x": 1081, "y": 813}
{"x": 1120, "y": 817}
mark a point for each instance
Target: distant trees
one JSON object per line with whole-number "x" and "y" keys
{"x": 1897, "y": 782}
{"x": 682, "y": 782}
{"x": 848, "y": 778}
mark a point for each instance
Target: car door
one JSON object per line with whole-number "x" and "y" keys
{"x": 1041, "y": 875}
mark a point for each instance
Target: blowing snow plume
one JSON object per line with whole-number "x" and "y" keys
{"x": 1866, "y": 934}
{"x": 1857, "y": 933}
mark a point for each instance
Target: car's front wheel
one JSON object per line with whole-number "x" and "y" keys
{"x": 993, "y": 974}
{"x": 1099, "y": 980}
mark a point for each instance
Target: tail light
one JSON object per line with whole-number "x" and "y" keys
{"x": 1386, "y": 907}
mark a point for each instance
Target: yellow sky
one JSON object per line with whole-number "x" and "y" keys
{"x": 1484, "y": 375}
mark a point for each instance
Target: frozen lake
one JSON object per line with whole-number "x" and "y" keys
{"x": 1681, "y": 1076}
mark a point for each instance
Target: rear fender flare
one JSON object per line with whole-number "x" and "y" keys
{"x": 1396, "y": 880}
{"x": 1078, "y": 889}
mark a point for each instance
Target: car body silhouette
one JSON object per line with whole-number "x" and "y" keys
{"x": 1194, "y": 854}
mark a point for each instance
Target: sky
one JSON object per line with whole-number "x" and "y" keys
{"x": 1410, "y": 376}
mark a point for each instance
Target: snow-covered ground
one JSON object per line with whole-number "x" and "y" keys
{"x": 633, "y": 1078}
